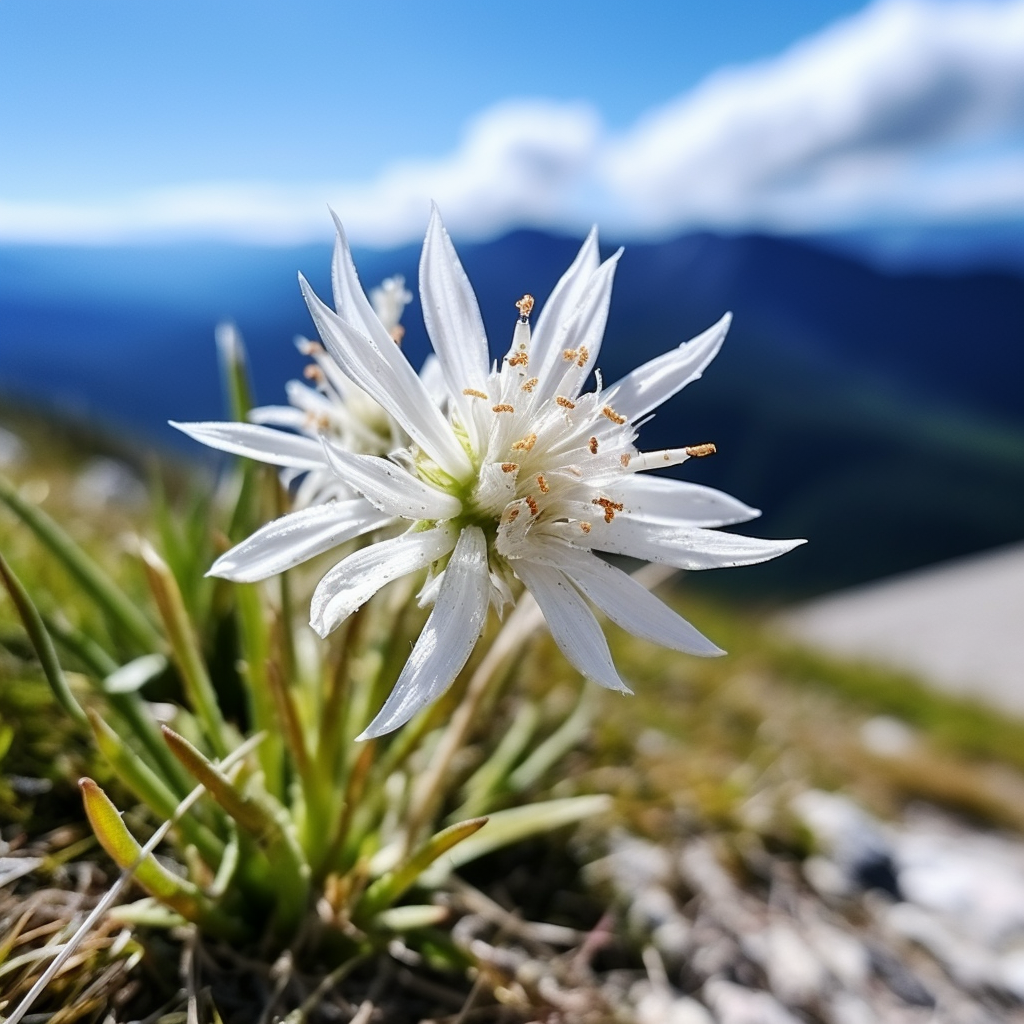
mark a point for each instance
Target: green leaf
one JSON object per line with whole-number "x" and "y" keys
{"x": 115, "y": 604}
{"x": 151, "y": 789}
{"x": 490, "y": 777}
{"x": 42, "y": 643}
{"x": 547, "y": 754}
{"x": 179, "y": 894}
{"x": 515, "y": 824}
{"x": 407, "y": 918}
{"x": 146, "y": 913}
{"x": 392, "y": 885}
{"x": 185, "y": 648}
{"x": 269, "y": 826}
{"x": 132, "y": 677}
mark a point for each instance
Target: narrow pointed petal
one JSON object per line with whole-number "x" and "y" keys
{"x": 448, "y": 638}
{"x": 564, "y": 299}
{"x": 631, "y": 605}
{"x": 385, "y": 375}
{"x": 350, "y": 300}
{"x": 450, "y": 311}
{"x": 583, "y": 330}
{"x": 389, "y": 487}
{"x": 258, "y": 442}
{"x": 287, "y": 416}
{"x": 660, "y": 499}
{"x": 354, "y": 580}
{"x": 646, "y": 387}
{"x": 433, "y": 380}
{"x": 684, "y": 547}
{"x": 572, "y": 624}
{"x": 296, "y": 537}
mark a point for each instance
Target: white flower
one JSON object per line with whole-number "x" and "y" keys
{"x": 522, "y": 477}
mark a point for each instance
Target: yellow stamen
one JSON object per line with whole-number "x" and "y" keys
{"x": 473, "y": 393}
{"x": 593, "y": 446}
{"x": 585, "y": 527}
{"x": 313, "y": 372}
{"x": 509, "y": 467}
{"x": 532, "y": 502}
{"x": 610, "y": 507}
{"x": 698, "y": 451}
{"x": 584, "y": 356}
{"x": 625, "y": 458}
{"x": 613, "y": 415}
{"x": 526, "y": 444}
{"x": 529, "y": 385}
{"x": 525, "y": 306}
{"x": 569, "y": 355}
{"x": 565, "y": 403}
{"x": 519, "y": 359}
{"x": 543, "y": 485}
{"x": 504, "y": 407}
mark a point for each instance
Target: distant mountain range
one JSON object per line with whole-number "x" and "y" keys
{"x": 880, "y": 414}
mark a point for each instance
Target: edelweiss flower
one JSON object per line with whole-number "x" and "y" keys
{"x": 522, "y": 477}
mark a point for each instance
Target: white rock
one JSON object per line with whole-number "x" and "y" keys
{"x": 843, "y": 954}
{"x": 975, "y": 880}
{"x": 795, "y": 973}
{"x": 887, "y": 736}
{"x": 657, "y": 1006}
{"x": 733, "y": 1004}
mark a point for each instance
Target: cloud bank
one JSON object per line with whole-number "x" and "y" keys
{"x": 910, "y": 112}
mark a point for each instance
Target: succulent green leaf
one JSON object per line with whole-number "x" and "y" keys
{"x": 41, "y": 641}
{"x": 515, "y": 824}
{"x": 392, "y": 885}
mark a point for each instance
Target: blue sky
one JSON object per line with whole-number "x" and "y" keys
{"x": 122, "y": 119}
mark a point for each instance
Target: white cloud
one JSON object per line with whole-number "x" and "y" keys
{"x": 912, "y": 111}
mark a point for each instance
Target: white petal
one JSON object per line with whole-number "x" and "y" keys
{"x": 389, "y": 487}
{"x": 583, "y": 329}
{"x": 683, "y": 547}
{"x": 296, "y": 537}
{"x": 564, "y": 299}
{"x": 629, "y": 604}
{"x": 385, "y": 374}
{"x": 350, "y": 300}
{"x": 257, "y": 442}
{"x": 646, "y": 387}
{"x": 448, "y": 638}
{"x": 572, "y": 623}
{"x": 279, "y": 416}
{"x": 660, "y": 499}
{"x": 354, "y": 580}
{"x": 450, "y": 311}
{"x": 433, "y": 380}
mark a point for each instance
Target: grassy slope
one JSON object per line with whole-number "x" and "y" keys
{"x": 711, "y": 737}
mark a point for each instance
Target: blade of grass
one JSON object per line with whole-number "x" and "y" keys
{"x": 391, "y": 886}
{"x": 42, "y": 643}
{"x": 269, "y": 826}
{"x": 120, "y": 611}
{"x": 185, "y": 648}
{"x": 151, "y": 789}
{"x": 490, "y": 776}
{"x": 177, "y": 893}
